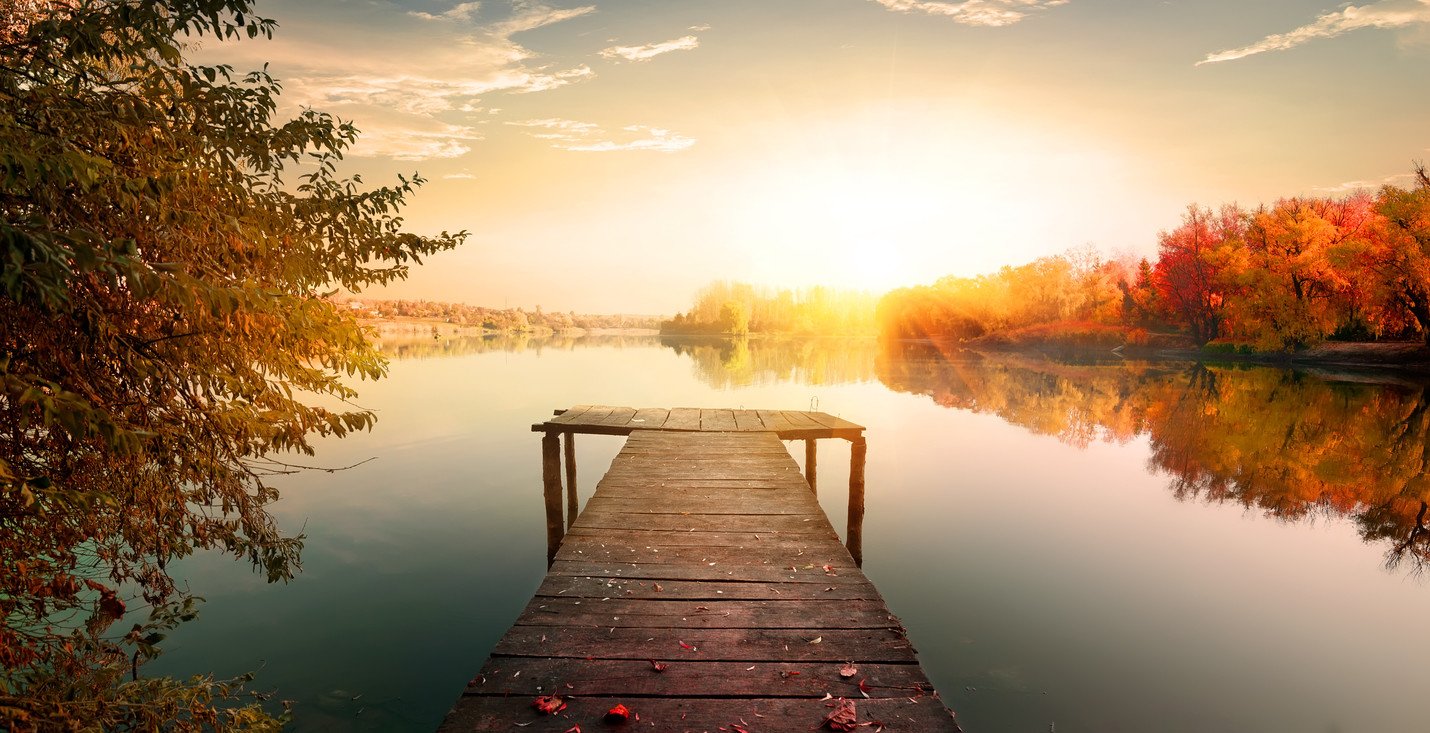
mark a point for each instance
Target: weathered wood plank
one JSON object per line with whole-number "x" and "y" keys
{"x": 492, "y": 714}
{"x": 666, "y": 538}
{"x": 773, "y": 554}
{"x": 683, "y": 418}
{"x": 704, "y": 571}
{"x": 619, "y": 417}
{"x": 569, "y": 416}
{"x": 707, "y": 551}
{"x": 650, "y": 418}
{"x": 770, "y": 645}
{"x": 717, "y": 420}
{"x": 705, "y": 522}
{"x": 579, "y": 586}
{"x": 536, "y": 676}
{"x": 832, "y": 422}
{"x": 726, "y": 614}
{"x": 773, "y": 420}
{"x": 693, "y": 504}
{"x": 748, "y": 420}
{"x": 616, "y": 420}
{"x": 801, "y": 419}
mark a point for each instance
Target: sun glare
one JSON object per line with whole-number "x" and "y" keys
{"x": 856, "y": 205}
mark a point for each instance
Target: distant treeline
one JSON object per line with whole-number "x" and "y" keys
{"x": 498, "y": 319}
{"x": 737, "y": 309}
{"x": 1278, "y": 277}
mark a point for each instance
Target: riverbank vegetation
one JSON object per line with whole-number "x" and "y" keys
{"x": 511, "y": 320}
{"x": 740, "y": 309}
{"x": 163, "y": 339}
{"x": 1276, "y": 278}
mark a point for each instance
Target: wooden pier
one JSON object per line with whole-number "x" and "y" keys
{"x": 703, "y": 588}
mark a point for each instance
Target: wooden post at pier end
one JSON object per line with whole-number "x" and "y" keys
{"x": 811, "y": 458}
{"x": 854, "y": 537}
{"x": 701, "y": 584}
{"x": 573, "y": 506}
{"x": 551, "y": 490}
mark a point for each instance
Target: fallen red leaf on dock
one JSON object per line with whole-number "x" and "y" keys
{"x": 848, "y": 670}
{"x": 549, "y": 704}
{"x": 843, "y": 717}
{"x": 659, "y": 666}
{"x": 618, "y": 714}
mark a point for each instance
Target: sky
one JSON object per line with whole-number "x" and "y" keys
{"x": 616, "y": 155}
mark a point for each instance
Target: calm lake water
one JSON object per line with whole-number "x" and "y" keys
{"x": 1095, "y": 547}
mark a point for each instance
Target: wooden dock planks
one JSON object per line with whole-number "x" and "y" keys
{"x": 787, "y": 424}
{"x": 707, "y": 552}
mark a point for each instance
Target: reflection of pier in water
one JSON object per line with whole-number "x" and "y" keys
{"x": 702, "y": 585}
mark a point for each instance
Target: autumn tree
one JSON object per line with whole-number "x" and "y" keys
{"x": 163, "y": 336}
{"x": 1293, "y": 290}
{"x": 1194, "y": 268}
{"x": 1399, "y": 254}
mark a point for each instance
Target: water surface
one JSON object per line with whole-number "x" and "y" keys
{"x": 1095, "y": 547}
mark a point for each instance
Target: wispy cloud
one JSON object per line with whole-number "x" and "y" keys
{"x": 530, "y": 15}
{"x": 462, "y": 176}
{"x": 651, "y": 50}
{"x": 993, "y": 13}
{"x": 1384, "y": 14}
{"x": 402, "y": 139}
{"x": 460, "y": 11}
{"x": 434, "y": 75}
{"x": 588, "y": 137}
{"x": 1349, "y": 186}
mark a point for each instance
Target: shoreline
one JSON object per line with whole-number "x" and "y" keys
{"x": 1400, "y": 357}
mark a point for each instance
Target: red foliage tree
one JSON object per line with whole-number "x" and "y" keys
{"x": 1194, "y": 272}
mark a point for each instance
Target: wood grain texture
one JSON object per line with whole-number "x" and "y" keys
{"x": 708, "y": 553}
{"x": 717, "y": 422}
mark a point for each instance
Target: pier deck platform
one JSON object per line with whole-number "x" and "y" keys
{"x": 703, "y": 588}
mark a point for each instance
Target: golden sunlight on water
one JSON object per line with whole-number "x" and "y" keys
{"x": 1092, "y": 546}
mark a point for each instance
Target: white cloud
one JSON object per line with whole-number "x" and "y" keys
{"x": 414, "y": 140}
{"x": 1384, "y": 14}
{"x": 991, "y": 13}
{"x": 588, "y": 137}
{"x": 1349, "y": 186}
{"x": 528, "y": 16}
{"x": 429, "y": 79}
{"x": 461, "y": 11}
{"x": 462, "y": 176}
{"x": 699, "y": 28}
{"x": 651, "y": 50}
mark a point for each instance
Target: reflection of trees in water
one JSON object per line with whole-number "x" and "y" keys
{"x": 1286, "y": 443}
{"x": 423, "y": 345}
{"x": 724, "y": 362}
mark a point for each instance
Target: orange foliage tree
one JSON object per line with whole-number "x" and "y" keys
{"x": 1282, "y": 277}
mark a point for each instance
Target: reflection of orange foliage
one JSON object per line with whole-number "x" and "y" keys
{"x": 1288, "y": 444}
{"x": 1081, "y": 334}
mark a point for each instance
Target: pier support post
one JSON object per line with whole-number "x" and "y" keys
{"x": 811, "y": 459}
{"x": 854, "y": 537}
{"x": 573, "y": 505}
{"x": 551, "y": 490}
